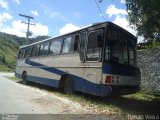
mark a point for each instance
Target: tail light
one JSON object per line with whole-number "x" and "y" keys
{"x": 108, "y": 79}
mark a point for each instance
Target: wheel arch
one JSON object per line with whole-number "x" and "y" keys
{"x": 24, "y": 72}
{"x": 62, "y": 79}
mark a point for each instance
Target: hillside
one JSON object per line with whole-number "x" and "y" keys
{"x": 9, "y": 45}
{"x": 8, "y": 52}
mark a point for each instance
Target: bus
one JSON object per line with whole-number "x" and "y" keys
{"x": 99, "y": 59}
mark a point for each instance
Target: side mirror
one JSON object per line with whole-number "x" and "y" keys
{"x": 99, "y": 41}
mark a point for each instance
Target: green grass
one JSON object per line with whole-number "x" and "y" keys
{"x": 145, "y": 96}
{"x": 138, "y": 103}
{"x": 154, "y": 44}
{"x": 102, "y": 105}
{"x": 15, "y": 79}
{"x": 3, "y": 67}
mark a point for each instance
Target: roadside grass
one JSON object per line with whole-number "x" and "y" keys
{"x": 14, "y": 79}
{"x": 97, "y": 104}
{"x": 142, "y": 102}
{"x": 121, "y": 107}
{"x": 4, "y": 67}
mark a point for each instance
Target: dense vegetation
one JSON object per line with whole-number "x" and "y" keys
{"x": 149, "y": 45}
{"x": 8, "y": 50}
{"x": 144, "y": 16}
{"x": 9, "y": 45}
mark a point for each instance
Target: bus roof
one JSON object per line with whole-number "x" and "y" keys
{"x": 23, "y": 46}
{"x": 81, "y": 29}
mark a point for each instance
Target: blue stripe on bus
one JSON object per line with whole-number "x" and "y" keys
{"x": 41, "y": 66}
{"x": 44, "y": 81}
{"x": 120, "y": 70}
{"x": 41, "y": 80}
{"x": 86, "y": 86}
{"x": 80, "y": 84}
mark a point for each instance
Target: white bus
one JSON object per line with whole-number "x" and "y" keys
{"x": 99, "y": 59}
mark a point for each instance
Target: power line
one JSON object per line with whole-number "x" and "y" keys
{"x": 100, "y": 9}
{"x": 28, "y": 33}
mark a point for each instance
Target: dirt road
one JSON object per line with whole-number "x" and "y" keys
{"x": 16, "y": 98}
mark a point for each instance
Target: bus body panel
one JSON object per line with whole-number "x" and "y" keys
{"x": 86, "y": 77}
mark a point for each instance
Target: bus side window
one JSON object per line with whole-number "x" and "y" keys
{"x": 82, "y": 46}
{"x": 37, "y": 50}
{"x": 33, "y": 51}
{"x": 55, "y": 47}
{"x": 19, "y": 54}
{"x": 27, "y": 52}
{"x": 41, "y": 49}
{"x": 68, "y": 45}
{"x": 76, "y": 43}
{"x": 93, "y": 51}
{"x": 46, "y": 48}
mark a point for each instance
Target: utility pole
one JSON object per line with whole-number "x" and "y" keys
{"x": 28, "y": 33}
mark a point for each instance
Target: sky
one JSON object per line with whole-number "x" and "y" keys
{"x": 56, "y": 17}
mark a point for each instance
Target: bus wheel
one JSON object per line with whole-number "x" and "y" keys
{"x": 68, "y": 86}
{"x": 24, "y": 76}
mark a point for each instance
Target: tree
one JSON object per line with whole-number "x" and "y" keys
{"x": 3, "y": 59}
{"x": 144, "y": 16}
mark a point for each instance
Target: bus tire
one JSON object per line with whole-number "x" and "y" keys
{"x": 68, "y": 86}
{"x": 24, "y": 76}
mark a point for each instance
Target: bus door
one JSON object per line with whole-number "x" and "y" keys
{"x": 91, "y": 57}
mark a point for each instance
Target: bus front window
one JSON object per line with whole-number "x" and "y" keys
{"x": 132, "y": 52}
{"x": 113, "y": 51}
{"x": 120, "y": 48}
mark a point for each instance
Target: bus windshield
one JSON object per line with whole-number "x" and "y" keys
{"x": 120, "y": 48}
